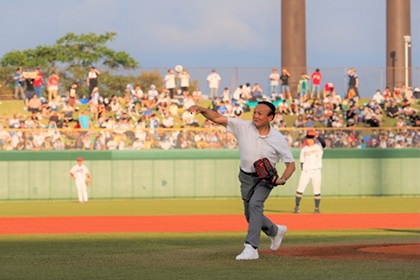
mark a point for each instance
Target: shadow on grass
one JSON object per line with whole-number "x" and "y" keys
{"x": 400, "y": 230}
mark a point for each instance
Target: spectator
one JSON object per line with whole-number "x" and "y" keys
{"x": 274, "y": 82}
{"x": 237, "y": 94}
{"x": 387, "y": 94}
{"x": 188, "y": 119}
{"x": 92, "y": 79}
{"x": 154, "y": 122}
{"x": 38, "y": 83}
{"x": 34, "y": 104}
{"x": 19, "y": 84}
{"x": 84, "y": 120}
{"x": 163, "y": 104}
{"x": 303, "y": 87}
{"x": 373, "y": 121}
{"x": 351, "y": 116}
{"x": 53, "y": 120}
{"x": 283, "y": 107}
{"x": 414, "y": 119}
{"x": 225, "y": 94}
{"x": 221, "y": 109}
{"x": 285, "y": 89}
{"x": 378, "y": 99}
{"x": 401, "y": 125}
{"x": 68, "y": 111}
{"x": 188, "y": 102}
{"x": 256, "y": 92}
{"x": 316, "y": 78}
{"x": 397, "y": 95}
{"x": 299, "y": 122}
{"x": 213, "y": 81}
{"x": 318, "y": 115}
{"x": 184, "y": 77}
{"x": 329, "y": 88}
{"x": 353, "y": 89}
{"x": 52, "y": 86}
{"x": 246, "y": 92}
{"x": 168, "y": 121}
{"x": 72, "y": 95}
{"x": 30, "y": 90}
{"x": 197, "y": 96}
{"x": 407, "y": 109}
{"x": 393, "y": 111}
{"x": 170, "y": 84}
{"x": 152, "y": 96}
{"x": 237, "y": 111}
{"x": 116, "y": 107}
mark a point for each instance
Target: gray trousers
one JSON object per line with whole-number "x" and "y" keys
{"x": 254, "y": 193}
{"x": 19, "y": 89}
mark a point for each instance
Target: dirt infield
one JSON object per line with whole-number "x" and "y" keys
{"x": 232, "y": 223}
{"x": 202, "y": 223}
{"x": 397, "y": 252}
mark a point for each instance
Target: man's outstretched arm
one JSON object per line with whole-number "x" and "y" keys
{"x": 209, "y": 114}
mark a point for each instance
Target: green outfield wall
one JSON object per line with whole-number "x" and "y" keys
{"x": 45, "y": 175}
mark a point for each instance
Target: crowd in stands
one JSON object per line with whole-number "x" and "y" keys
{"x": 144, "y": 119}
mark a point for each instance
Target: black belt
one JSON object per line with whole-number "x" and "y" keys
{"x": 249, "y": 173}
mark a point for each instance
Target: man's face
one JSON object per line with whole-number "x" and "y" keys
{"x": 260, "y": 115}
{"x": 310, "y": 141}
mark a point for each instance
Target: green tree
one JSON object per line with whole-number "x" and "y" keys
{"x": 72, "y": 50}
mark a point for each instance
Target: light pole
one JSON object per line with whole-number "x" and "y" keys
{"x": 407, "y": 44}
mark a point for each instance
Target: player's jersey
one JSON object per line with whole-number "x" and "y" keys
{"x": 79, "y": 172}
{"x": 311, "y": 157}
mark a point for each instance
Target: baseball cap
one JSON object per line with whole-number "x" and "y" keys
{"x": 311, "y": 133}
{"x": 79, "y": 159}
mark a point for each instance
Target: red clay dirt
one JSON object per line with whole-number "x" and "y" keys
{"x": 232, "y": 223}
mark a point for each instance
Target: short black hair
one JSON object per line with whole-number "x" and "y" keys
{"x": 270, "y": 105}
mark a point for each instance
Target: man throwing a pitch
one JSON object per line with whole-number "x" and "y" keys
{"x": 257, "y": 140}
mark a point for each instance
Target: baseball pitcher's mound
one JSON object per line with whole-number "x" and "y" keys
{"x": 399, "y": 252}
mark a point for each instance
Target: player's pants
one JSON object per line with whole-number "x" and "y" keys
{"x": 254, "y": 196}
{"x": 310, "y": 175}
{"x": 82, "y": 191}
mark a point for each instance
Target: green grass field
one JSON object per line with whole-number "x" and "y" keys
{"x": 204, "y": 206}
{"x": 196, "y": 255}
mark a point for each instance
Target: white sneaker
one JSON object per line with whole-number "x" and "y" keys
{"x": 249, "y": 253}
{"x": 276, "y": 240}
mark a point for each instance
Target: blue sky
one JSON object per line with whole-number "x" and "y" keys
{"x": 213, "y": 33}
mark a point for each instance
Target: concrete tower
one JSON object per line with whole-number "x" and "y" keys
{"x": 293, "y": 40}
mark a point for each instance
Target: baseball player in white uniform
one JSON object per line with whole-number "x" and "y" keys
{"x": 80, "y": 173}
{"x": 311, "y": 165}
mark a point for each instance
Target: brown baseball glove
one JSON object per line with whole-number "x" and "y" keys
{"x": 266, "y": 171}
{"x": 88, "y": 182}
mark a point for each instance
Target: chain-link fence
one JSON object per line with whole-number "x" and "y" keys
{"x": 370, "y": 78}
